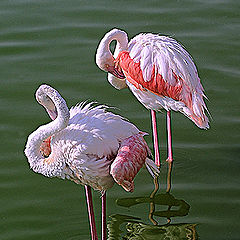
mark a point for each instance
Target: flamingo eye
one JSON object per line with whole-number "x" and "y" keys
{"x": 107, "y": 67}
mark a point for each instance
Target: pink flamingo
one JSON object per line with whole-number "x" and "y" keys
{"x": 159, "y": 72}
{"x": 89, "y": 146}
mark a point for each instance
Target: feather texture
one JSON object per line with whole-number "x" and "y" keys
{"x": 89, "y": 144}
{"x": 155, "y": 65}
{"x": 161, "y": 65}
{"x": 84, "y": 150}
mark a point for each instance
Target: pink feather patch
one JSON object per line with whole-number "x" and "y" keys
{"x": 130, "y": 159}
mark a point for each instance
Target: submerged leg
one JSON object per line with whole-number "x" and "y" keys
{"x": 170, "y": 155}
{"x": 155, "y": 138}
{"x": 91, "y": 213}
{"x": 104, "y": 224}
{"x": 152, "y": 203}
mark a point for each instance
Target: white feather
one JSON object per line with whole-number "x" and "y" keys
{"x": 165, "y": 54}
{"x": 84, "y": 150}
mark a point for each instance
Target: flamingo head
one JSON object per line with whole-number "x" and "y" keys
{"x": 104, "y": 59}
{"x": 106, "y": 63}
{"x": 46, "y": 101}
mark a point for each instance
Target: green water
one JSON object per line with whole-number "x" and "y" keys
{"x": 54, "y": 42}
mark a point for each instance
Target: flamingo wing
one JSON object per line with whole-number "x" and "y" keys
{"x": 131, "y": 156}
{"x": 166, "y": 55}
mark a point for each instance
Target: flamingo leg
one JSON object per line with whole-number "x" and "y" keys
{"x": 104, "y": 223}
{"x": 152, "y": 203}
{"x": 91, "y": 212}
{"x": 170, "y": 155}
{"x": 155, "y": 138}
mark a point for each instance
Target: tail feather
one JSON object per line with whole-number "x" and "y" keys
{"x": 196, "y": 111}
{"x": 152, "y": 168}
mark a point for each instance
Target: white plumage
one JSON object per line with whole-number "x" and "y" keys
{"x": 90, "y": 143}
{"x": 84, "y": 143}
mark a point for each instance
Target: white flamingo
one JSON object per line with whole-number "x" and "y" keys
{"x": 159, "y": 72}
{"x": 89, "y": 146}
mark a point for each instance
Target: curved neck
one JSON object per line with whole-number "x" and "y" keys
{"x": 115, "y": 34}
{"x": 122, "y": 43}
{"x": 35, "y": 139}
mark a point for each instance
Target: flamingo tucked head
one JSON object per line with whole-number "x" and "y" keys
{"x": 45, "y": 101}
{"x": 105, "y": 60}
{"x": 48, "y": 104}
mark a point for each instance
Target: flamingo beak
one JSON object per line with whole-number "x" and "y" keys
{"x": 116, "y": 72}
{"x": 52, "y": 113}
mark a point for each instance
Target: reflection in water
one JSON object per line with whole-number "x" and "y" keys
{"x": 136, "y": 229}
{"x": 140, "y": 231}
{"x": 181, "y": 208}
{"x": 114, "y": 226}
{"x": 152, "y": 204}
{"x": 169, "y": 176}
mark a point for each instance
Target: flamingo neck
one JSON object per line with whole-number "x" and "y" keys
{"x": 122, "y": 42}
{"x": 104, "y": 55}
{"x": 35, "y": 139}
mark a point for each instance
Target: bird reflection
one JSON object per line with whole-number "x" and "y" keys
{"x": 162, "y": 206}
{"x": 137, "y": 230}
{"x": 175, "y": 207}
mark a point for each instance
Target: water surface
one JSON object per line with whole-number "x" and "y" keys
{"x": 54, "y": 42}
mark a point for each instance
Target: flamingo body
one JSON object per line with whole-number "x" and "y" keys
{"x": 91, "y": 143}
{"x": 89, "y": 146}
{"x": 159, "y": 72}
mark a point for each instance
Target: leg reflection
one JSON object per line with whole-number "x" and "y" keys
{"x": 152, "y": 203}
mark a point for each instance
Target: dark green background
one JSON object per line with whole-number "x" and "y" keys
{"x": 54, "y": 42}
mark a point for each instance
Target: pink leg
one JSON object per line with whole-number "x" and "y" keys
{"x": 169, "y": 133}
{"x": 104, "y": 224}
{"x": 170, "y": 155}
{"x": 155, "y": 138}
{"x": 91, "y": 213}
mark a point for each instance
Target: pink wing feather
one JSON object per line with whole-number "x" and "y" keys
{"x": 131, "y": 157}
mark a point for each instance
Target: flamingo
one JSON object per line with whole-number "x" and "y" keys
{"x": 89, "y": 146}
{"x": 159, "y": 72}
